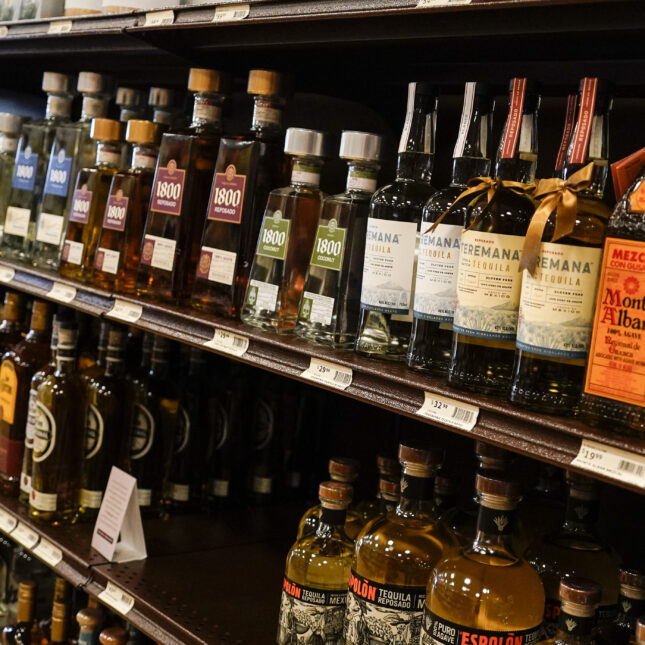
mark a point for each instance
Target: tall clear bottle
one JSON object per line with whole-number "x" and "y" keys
{"x": 330, "y": 305}
{"x": 488, "y": 278}
{"x": 72, "y": 149}
{"x": 286, "y": 238}
{"x": 557, "y": 299}
{"x": 392, "y": 239}
{"x": 32, "y": 158}
{"x": 10, "y": 126}
{"x": 435, "y": 292}
{"x": 161, "y": 107}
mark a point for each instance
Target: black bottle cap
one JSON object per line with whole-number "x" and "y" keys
{"x": 484, "y": 98}
{"x": 580, "y": 591}
{"x": 604, "y": 94}
{"x": 423, "y": 88}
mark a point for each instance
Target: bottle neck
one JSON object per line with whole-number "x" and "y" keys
{"x": 93, "y": 107}
{"x": 8, "y": 143}
{"x": 581, "y": 513}
{"x": 207, "y": 111}
{"x": 495, "y": 524}
{"x": 416, "y": 147}
{"x": 114, "y": 363}
{"x": 361, "y": 177}
{"x": 416, "y": 494}
{"x": 129, "y": 113}
{"x": 331, "y": 520}
{"x": 576, "y": 622}
{"x": 25, "y": 613}
{"x": 144, "y": 156}
{"x": 159, "y": 364}
{"x": 108, "y": 154}
{"x": 267, "y": 115}
{"x": 65, "y": 361}
{"x": 470, "y": 158}
{"x": 306, "y": 172}
{"x": 58, "y": 106}
{"x": 518, "y": 162}
{"x": 631, "y": 605}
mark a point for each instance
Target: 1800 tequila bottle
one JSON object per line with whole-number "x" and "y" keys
{"x": 10, "y": 125}
{"x": 393, "y": 234}
{"x": 330, "y": 304}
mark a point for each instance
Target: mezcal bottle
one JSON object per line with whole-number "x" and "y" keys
{"x": 89, "y": 199}
{"x": 247, "y": 169}
{"x": 559, "y": 291}
{"x": 119, "y": 245}
{"x": 32, "y": 158}
{"x": 286, "y": 238}
{"x": 10, "y": 125}
{"x": 488, "y": 278}
{"x": 435, "y": 293}
{"x": 73, "y": 148}
{"x": 330, "y": 304}
{"x": 579, "y": 600}
{"x": 393, "y": 233}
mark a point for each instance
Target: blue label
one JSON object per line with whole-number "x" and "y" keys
{"x": 58, "y": 175}
{"x": 24, "y": 172}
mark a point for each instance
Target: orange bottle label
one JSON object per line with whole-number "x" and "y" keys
{"x": 637, "y": 199}
{"x": 616, "y": 367}
{"x": 8, "y": 390}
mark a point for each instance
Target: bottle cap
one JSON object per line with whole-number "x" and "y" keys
{"x": 264, "y": 82}
{"x": 484, "y": 98}
{"x": 388, "y": 465}
{"x": 41, "y": 315}
{"x": 581, "y": 486}
{"x": 90, "y": 82}
{"x": 299, "y": 141}
{"x": 423, "y": 88}
{"x": 496, "y": 486}
{"x": 604, "y": 94}
{"x": 117, "y": 339}
{"x": 491, "y": 457}
{"x": 206, "y": 80}
{"x": 113, "y": 636}
{"x": 90, "y": 617}
{"x": 55, "y": 83}
{"x": 343, "y": 469}
{"x": 105, "y": 130}
{"x": 362, "y": 146}
{"x": 632, "y": 578}
{"x": 12, "y": 306}
{"x": 580, "y": 591}
{"x": 139, "y": 131}
{"x": 531, "y": 95}
{"x": 10, "y": 123}
{"x": 26, "y": 589}
{"x": 128, "y": 97}
{"x": 640, "y": 630}
{"x": 419, "y": 459}
{"x": 390, "y": 489}
{"x": 335, "y": 494}
{"x": 160, "y": 97}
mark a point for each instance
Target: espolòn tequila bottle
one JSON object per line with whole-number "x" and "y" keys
{"x": 10, "y": 125}
{"x": 330, "y": 305}
{"x": 390, "y": 260}
{"x": 579, "y": 600}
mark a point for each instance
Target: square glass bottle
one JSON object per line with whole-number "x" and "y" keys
{"x": 10, "y": 125}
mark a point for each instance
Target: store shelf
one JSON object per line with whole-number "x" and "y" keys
{"x": 388, "y": 385}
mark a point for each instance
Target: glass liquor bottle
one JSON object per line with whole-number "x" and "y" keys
{"x": 183, "y": 176}
{"x": 485, "y": 591}
{"x": 388, "y": 469}
{"x": 314, "y": 590}
{"x": 488, "y": 278}
{"x": 579, "y": 599}
{"x": 557, "y": 302}
{"x": 394, "y": 558}
{"x": 161, "y": 108}
{"x": 631, "y": 605}
{"x": 10, "y": 126}
{"x": 567, "y": 133}
{"x": 26, "y": 630}
{"x": 247, "y": 169}
{"x": 97, "y": 368}
{"x": 286, "y": 238}
{"x": 89, "y": 199}
{"x": 72, "y": 150}
{"x": 435, "y": 291}
{"x": 59, "y": 625}
{"x": 11, "y": 327}
{"x": 90, "y": 620}
{"x": 445, "y": 493}
{"x": 131, "y": 103}
{"x": 32, "y": 157}
{"x": 19, "y": 364}
{"x": 61, "y": 409}
{"x": 114, "y": 636}
{"x": 330, "y": 305}
{"x": 109, "y": 419}
{"x": 575, "y": 550}
{"x": 117, "y": 253}
{"x": 543, "y": 508}
{"x": 640, "y": 631}
{"x": 393, "y": 234}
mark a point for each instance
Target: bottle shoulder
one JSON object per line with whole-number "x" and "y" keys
{"x": 443, "y": 200}
{"x": 404, "y": 192}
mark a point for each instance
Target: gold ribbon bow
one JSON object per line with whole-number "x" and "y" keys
{"x": 560, "y": 196}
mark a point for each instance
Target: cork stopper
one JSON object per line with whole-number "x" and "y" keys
{"x": 265, "y": 83}
{"x": 12, "y": 306}
{"x": 90, "y": 83}
{"x": 389, "y": 489}
{"x": 113, "y": 636}
{"x": 142, "y": 132}
{"x": 631, "y": 581}
{"x": 419, "y": 459}
{"x": 55, "y": 83}
{"x": 580, "y": 591}
{"x": 388, "y": 466}
{"x": 26, "y": 599}
{"x": 205, "y": 80}
{"x": 90, "y": 618}
{"x": 640, "y": 630}
{"x": 105, "y": 130}
{"x": 335, "y": 494}
{"x": 497, "y": 492}
{"x": 343, "y": 469}
{"x": 491, "y": 457}
{"x": 10, "y": 123}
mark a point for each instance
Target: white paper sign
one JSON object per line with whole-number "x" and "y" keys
{"x": 7, "y": 274}
{"x": 159, "y": 18}
{"x": 59, "y": 27}
{"x": 117, "y": 599}
{"x": 448, "y": 411}
{"x": 231, "y": 12}
{"x": 118, "y": 532}
{"x": 612, "y": 462}
{"x": 62, "y": 292}
{"x": 26, "y": 536}
{"x": 48, "y": 553}
{"x": 126, "y": 311}
{"x": 7, "y": 522}
{"x": 327, "y": 373}
{"x": 226, "y": 341}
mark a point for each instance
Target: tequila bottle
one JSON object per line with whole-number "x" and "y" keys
{"x": 330, "y": 305}
{"x": 10, "y": 125}
{"x": 557, "y": 301}
{"x": 89, "y": 200}
{"x": 485, "y": 590}
{"x": 246, "y": 170}
{"x": 542, "y": 509}
{"x": 435, "y": 292}
{"x": 160, "y": 103}
{"x": 72, "y": 150}
{"x": 445, "y": 493}
{"x": 388, "y": 470}
{"x": 32, "y": 158}
{"x": 395, "y": 556}
{"x": 314, "y": 590}
{"x": 131, "y": 102}
{"x": 114, "y": 636}
{"x": 26, "y": 629}
{"x": 640, "y": 631}
{"x": 118, "y": 249}
{"x": 390, "y": 259}
{"x": 567, "y": 133}
{"x": 579, "y": 599}
{"x": 61, "y": 409}
{"x": 97, "y": 368}
{"x": 90, "y": 620}
{"x": 170, "y": 248}
{"x": 488, "y": 278}
{"x": 11, "y": 327}
{"x": 286, "y": 238}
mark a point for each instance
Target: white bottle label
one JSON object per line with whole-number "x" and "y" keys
{"x": 159, "y": 252}
{"x": 45, "y": 434}
{"x": 217, "y": 265}
{"x": 316, "y": 308}
{"x": 73, "y": 252}
{"x": 436, "y": 285}
{"x": 17, "y": 221}
{"x": 43, "y": 501}
{"x": 107, "y": 260}
{"x": 91, "y": 498}
{"x": 144, "y": 496}
{"x": 179, "y": 492}
{"x": 262, "y": 295}
{"x": 108, "y": 157}
{"x": 557, "y": 304}
{"x": 49, "y": 228}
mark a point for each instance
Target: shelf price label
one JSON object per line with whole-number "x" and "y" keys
{"x": 7, "y": 522}
{"x": 26, "y": 536}
{"x": 449, "y": 411}
{"x": 117, "y": 599}
{"x": 611, "y": 462}
{"x": 62, "y": 292}
{"x": 126, "y": 311}
{"x": 4, "y": 31}
{"x": 48, "y": 553}
{"x": 330, "y": 374}
{"x": 228, "y": 342}
{"x": 232, "y": 12}
{"x": 423, "y": 4}
{"x": 59, "y": 27}
{"x": 159, "y": 18}
{"x": 7, "y": 274}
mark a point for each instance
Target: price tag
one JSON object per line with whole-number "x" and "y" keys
{"x": 7, "y": 522}
{"x": 126, "y": 311}
{"x": 60, "y": 27}
{"x": 422, "y": 4}
{"x": 48, "y": 553}
{"x": 116, "y": 598}
{"x": 612, "y": 462}
{"x": 4, "y": 31}
{"x": 159, "y": 18}
{"x": 26, "y": 536}
{"x": 7, "y": 274}
{"x": 231, "y": 12}
{"x": 327, "y": 373}
{"x": 449, "y": 411}
{"x": 62, "y": 292}
{"x": 226, "y": 341}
